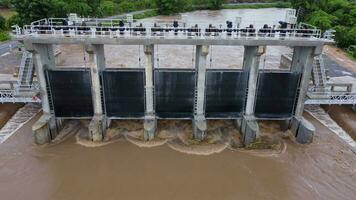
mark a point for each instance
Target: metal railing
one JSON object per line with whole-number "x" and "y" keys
{"x": 319, "y": 73}
{"x": 11, "y": 96}
{"x": 340, "y": 98}
{"x": 114, "y": 32}
{"x": 25, "y": 72}
{"x": 334, "y": 99}
{"x": 87, "y": 27}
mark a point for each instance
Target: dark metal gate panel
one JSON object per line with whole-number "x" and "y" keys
{"x": 174, "y": 91}
{"x": 276, "y": 94}
{"x": 225, "y": 93}
{"x": 71, "y": 92}
{"x": 124, "y": 93}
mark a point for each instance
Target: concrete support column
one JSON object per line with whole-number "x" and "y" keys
{"x": 251, "y": 64}
{"x": 47, "y": 127}
{"x": 199, "y": 122}
{"x": 303, "y": 63}
{"x": 249, "y": 127}
{"x": 150, "y": 121}
{"x": 97, "y": 126}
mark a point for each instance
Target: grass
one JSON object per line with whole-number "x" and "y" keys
{"x": 351, "y": 55}
{"x": 7, "y": 13}
{"x": 150, "y": 13}
{"x": 4, "y": 36}
{"x": 258, "y": 6}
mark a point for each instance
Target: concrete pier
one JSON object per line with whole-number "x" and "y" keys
{"x": 150, "y": 121}
{"x": 199, "y": 121}
{"x": 46, "y": 128}
{"x": 97, "y": 125}
{"x": 302, "y": 62}
{"x": 249, "y": 126}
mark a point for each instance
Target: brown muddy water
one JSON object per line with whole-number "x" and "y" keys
{"x": 325, "y": 169}
{"x": 7, "y": 110}
{"x": 345, "y": 117}
{"x": 182, "y": 56}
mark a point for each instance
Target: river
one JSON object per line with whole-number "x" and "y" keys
{"x": 325, "y": 169}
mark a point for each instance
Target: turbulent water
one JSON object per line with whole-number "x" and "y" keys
{"x": 324, "y": 169}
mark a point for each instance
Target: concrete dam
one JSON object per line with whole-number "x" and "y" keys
{"x": 150, "y": 93}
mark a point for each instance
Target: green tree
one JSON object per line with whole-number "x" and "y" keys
{"x": 5, "y": 3}
{"x": 321, "y": 19}
{"x": 81, "y": 8}
{"x": 2, "y": 23}
{"x": 167, "y": 7}
{"x": 94, "y": 5}
{"x": 31, "y": 10}
{"x": 13, "y": 20}
{"x": 107, "y": 8}
{"x": 60, "y": 8}
{"x": 330, "y": 14}
{"x": 215, "y": 4}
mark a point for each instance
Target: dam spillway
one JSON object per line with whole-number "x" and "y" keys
{"x": 102, "y": 94}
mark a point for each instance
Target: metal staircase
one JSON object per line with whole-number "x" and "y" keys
{"x": 25, "y": 90}
{"x": 26, "y": 70}
{"x": 319, "y": 74}
{"x": 322, "y": 93}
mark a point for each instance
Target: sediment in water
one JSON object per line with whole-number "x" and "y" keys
{"x": 177, "y": 134}
{"x": 7, "y": 111}
{"x": 344, "y": 116}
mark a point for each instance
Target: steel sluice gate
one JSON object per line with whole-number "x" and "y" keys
{"x": 123, "y": 93}
{"x": 70, "y": 92}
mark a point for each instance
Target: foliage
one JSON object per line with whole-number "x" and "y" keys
{"x": 31, "y": 10}
{"x": 107, "y": 8}
{"x": 4, "y": 36}
{"x": 215, "y": 4}
{"x": 168, "y": 7}
{"x": 150, "y": 13}
{"x": 15, "y": 19}
{"x": 321, "y": 19}
{"x": 2, "y": 23}
{"x": 5, "y": 3}
{"x": 331, "y": 14}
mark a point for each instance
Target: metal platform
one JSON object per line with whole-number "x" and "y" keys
{"x": 331, "y": 98}
{"x": 12, "y": 96}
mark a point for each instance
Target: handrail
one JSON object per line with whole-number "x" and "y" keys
{"x": 11, "y": 96}
{"x": 97, "y": 27}
{"x": 115, "y": 31}
{"x": 334, "y": 99}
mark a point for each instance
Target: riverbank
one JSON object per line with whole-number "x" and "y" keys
{"x": 340, "y": 57}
